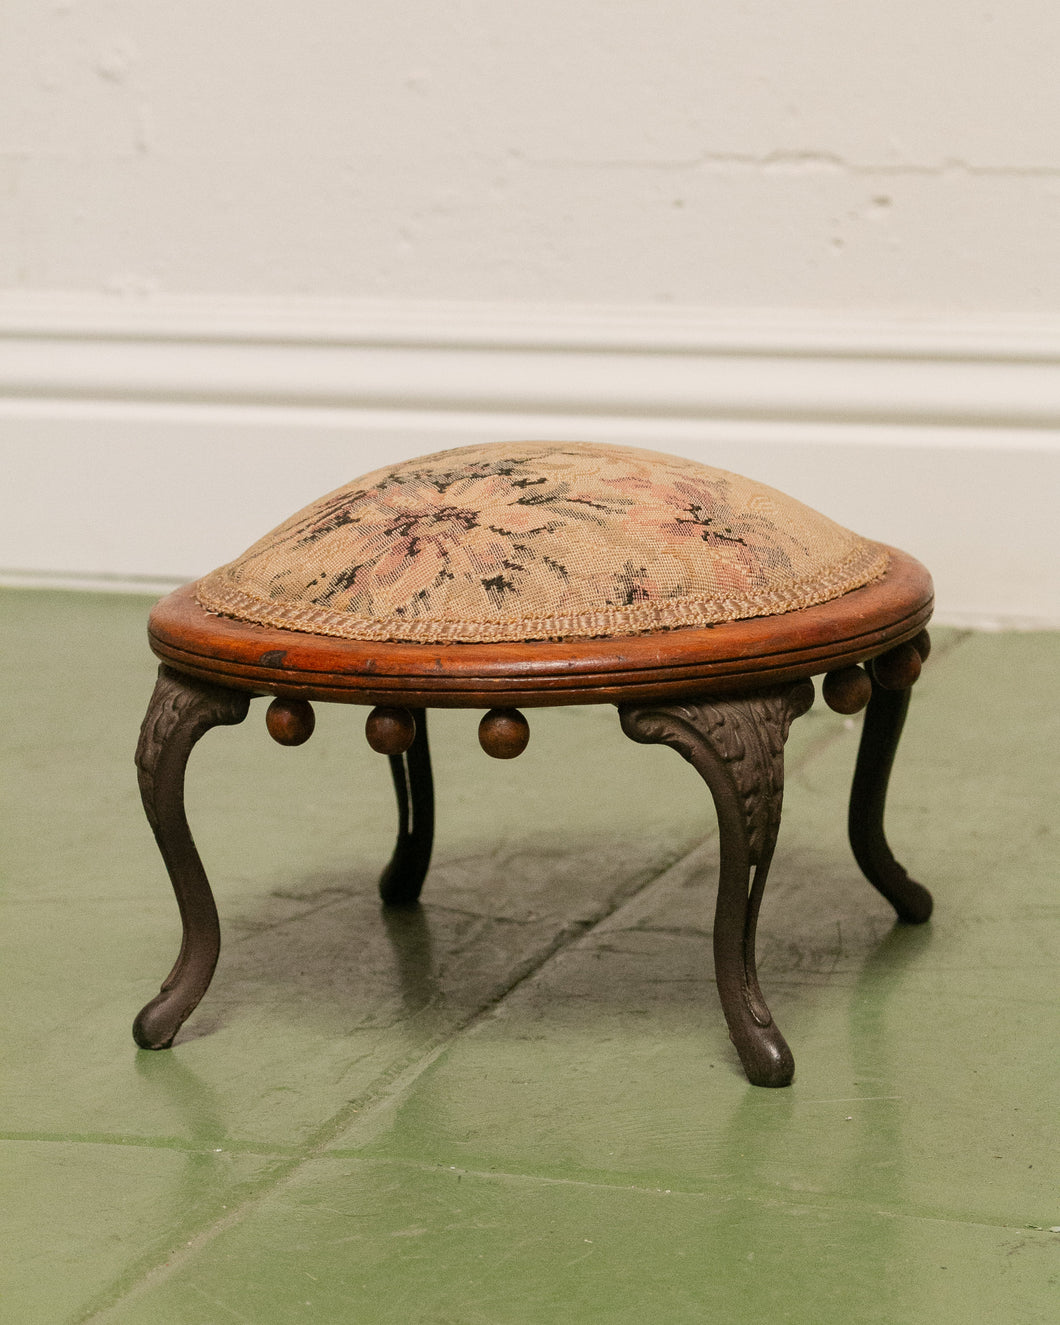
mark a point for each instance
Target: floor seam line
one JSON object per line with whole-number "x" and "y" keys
{"x": 763, "y": 1193}
{"x": 378, "y": 1095}
{"x": 173, "y": 1144}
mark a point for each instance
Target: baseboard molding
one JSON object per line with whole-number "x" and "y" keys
{"x": 149, "y": 586}
{"x": 145, "y": 442}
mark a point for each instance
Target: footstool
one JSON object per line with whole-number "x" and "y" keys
{"x": 521, "y": 575}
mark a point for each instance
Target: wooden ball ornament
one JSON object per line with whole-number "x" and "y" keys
{"x": 898, "y": 669}
{"x": 503, "y": 733}
{"x": 390, "y": 731}
{"x": 847, "y": 690}
{"x": 922, "y": 644}
{"x": 290, "y": 721}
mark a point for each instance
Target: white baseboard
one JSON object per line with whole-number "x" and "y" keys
{"x": 142, "y": 444}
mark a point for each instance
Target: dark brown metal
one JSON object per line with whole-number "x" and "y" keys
{"x": 182, "y": 709}
{"x": 884, "y": 719}
{"x": 848, "y": 690}
{"x": 402, "y": 880}
{"x": 390, "y": 731}
{"x": 737, "y": 747}
{"x": 290, "y": 721}
{"x": 504, "y": 733}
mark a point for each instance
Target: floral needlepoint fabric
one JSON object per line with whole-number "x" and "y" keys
{"x": 540, "y": 540}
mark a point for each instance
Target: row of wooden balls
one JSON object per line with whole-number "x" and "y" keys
{"x": 849, "y": 689}
{"x": 504, "y": 733}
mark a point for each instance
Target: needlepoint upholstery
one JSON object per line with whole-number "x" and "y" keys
{"x": 539, "y": 540}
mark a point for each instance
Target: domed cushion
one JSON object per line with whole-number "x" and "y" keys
{"x": 539, "y": 540}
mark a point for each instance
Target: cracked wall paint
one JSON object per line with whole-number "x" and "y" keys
{"x": 659, "y": 151}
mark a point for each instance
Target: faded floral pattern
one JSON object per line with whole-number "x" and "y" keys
{"x": 537, "y": 540}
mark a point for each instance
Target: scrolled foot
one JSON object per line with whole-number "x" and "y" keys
{"x": 157, "y": 1022}
{"x": 765, "y": 1055}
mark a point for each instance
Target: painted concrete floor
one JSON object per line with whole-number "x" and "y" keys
{"x": 519, "y": 1103}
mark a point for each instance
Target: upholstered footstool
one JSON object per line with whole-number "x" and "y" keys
{"x": 520, "y": 575}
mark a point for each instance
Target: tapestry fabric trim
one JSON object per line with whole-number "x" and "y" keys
{"x": 540, "y": 540}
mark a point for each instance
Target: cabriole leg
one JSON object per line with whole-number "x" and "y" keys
{"x": 402, "y": 880}
{"x": 181, "y": 710}
{"x": 737, "y": 747}
{"x": 884, "y": 719}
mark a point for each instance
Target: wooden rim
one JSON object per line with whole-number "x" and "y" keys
{"x": 732, "y": 656}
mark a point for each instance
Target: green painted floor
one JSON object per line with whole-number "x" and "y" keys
{"x": 519, "y": 1104}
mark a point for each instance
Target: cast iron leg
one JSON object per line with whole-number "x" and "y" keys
{"x": 884, "y": 719}
{"x": 181, "y": 710}
{"x": 401, "y": 881}
{"x": 737, "y": 747}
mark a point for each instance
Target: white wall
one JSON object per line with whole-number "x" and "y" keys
{"x": 848, "y": 209}
{"x": 829, "y": 153}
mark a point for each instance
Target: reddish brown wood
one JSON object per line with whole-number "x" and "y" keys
{"x": 848, "y": 690}
{"x": 504, "y": 733}
{"x": 390, "y": 731}
{"x": 724, "y": 659}
{"x": 290, "y": 721}
{"x": 898, "y": 669}
{"x": 922, "y": 644}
